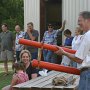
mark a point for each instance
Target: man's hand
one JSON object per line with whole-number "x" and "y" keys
{"x": 64, "y": 22}
{"x": 28, "y": 31}
{"x": 63, "y": 25}
{"x": 60, "y": 51}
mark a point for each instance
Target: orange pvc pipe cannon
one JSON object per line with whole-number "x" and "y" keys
{"x": 45, "y": 46}
{"x": 56, "y": 67}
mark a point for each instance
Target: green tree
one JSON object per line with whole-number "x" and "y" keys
{"x": 12, "y": 13}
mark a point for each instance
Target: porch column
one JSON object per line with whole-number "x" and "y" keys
{"x": 32, "y": 13}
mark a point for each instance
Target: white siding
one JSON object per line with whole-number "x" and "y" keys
{"x": 32, "y": 13}
{"x": 70, "y": 11}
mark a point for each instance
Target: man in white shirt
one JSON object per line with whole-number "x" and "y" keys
{"x": 82, "y": 55}
{"x": 18, "y": 47}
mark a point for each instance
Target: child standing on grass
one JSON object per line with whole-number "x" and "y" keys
{"x": 19, "y": 77}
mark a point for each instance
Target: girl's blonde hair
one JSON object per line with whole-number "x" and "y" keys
{"x": 80, "y": 30}
{"x": 25, "y": 51}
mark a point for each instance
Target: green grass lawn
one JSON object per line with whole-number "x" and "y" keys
{"x": 5, "y": 80}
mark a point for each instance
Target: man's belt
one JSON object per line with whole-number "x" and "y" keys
{"x": 84, "y": 69}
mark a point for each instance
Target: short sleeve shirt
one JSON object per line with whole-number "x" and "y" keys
{"x": 6, "y": 40}
{"x": 76, "y": 42}
{"x": 68, "y": 41}
{"x": 50, "y": 38}
{"x": 84, "y": 51}
{"x": 31, "y": 70}
{"x": 35, "y": 34}
{"x": 22, "y": 77}
{"x": 18, "y": 46}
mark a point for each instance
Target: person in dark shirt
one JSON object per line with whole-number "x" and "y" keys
{"x": 32, "y": 34}
{"x": 25, "y": 57}
{"x": 69, "y": 38}
{"x": 31, "y": 71}
{"x": 7, "y": 44}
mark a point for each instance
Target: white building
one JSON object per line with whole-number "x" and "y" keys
{"x": 41, "y": 12}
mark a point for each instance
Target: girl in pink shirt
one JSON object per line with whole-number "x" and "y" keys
{"x": 19, "y": 77}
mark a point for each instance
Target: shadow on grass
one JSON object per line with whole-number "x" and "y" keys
{"x": 5, "y": 80}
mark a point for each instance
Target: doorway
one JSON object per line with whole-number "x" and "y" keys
{"x": 50, "y": 12}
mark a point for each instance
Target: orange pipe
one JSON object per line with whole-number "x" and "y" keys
{"x": 45, "y": 46}
{"x": 56, "y": 67}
